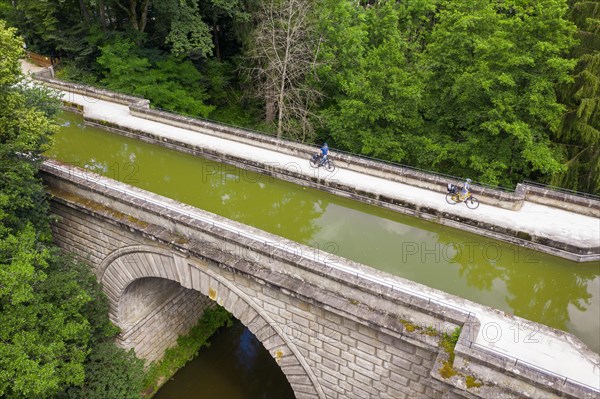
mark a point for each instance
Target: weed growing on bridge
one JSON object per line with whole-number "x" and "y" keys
{"x": 448, "y": 342}
{"x": 472, "y": 382}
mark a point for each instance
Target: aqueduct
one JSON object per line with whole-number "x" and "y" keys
{"x": 336, "y": 328}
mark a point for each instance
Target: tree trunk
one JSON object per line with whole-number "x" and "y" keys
{"x": 269, "y": 106}
{"x": 84, "y": 11}
{"x": 102, "y": 14}
{"x": 144, "y": 16}
{"x": 215, "y": 30}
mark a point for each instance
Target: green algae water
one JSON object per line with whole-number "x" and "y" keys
{"x": 536, "y": 286}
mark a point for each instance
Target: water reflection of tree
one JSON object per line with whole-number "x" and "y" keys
{"x": 261, "y": 201}
{"x": 547, "y": 296}
{"x": 540, "y": 287}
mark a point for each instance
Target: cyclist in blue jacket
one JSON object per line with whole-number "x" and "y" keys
{"x": 465, "y": 189}
{"x": 324, "y": 153}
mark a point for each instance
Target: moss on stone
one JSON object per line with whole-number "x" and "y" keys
{"x": 472, "y": 382}
{"x": 408, "y": 326}
{"x": 447, "y": 371}
{"x": 448, "y": 342}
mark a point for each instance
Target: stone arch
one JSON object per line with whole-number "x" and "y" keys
{"x": 124, "y": 266}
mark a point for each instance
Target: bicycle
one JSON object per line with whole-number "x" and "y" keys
{"x": 316, "y": 162}
{"x": 453, "y": 197}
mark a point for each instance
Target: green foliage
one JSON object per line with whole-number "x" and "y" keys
{"x": 72, "y": 73}
{"x": 462, "y": 87}
{"x": 189, "y": 34}
{"x": 110, "y": 372}
{"x": 44, "y": 336}
{"x": 37, "y": 20}
{"x": 25, "y": 131}
{"x": 579, "y": 136}
{"x": 51, "y": 308}
{"x": 376, "y": 93}
{"x": 492, "y": 68}
{"x": 95, "y": 310}
{"x": 187, "y": 346}
{"x": 171, "y": 83}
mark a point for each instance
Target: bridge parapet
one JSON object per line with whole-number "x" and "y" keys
{"x": 354, "y": 331}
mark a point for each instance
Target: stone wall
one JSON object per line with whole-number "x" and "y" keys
{"x": 333, "y": 327}
{"x": 164, "y": 319}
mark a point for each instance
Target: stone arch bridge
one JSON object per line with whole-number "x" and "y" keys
{"x": 336, "y": 328}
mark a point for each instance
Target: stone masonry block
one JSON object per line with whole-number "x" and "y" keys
{"x": 270, "y": 308}
{"x": 305, "y": 395}
{"x": 333, "y": 318}
{"x": 334, "y": 350}
{"x": 331, "y": 378}
{"x": 328, "y": 364}
{"x": 426, "y": 354}
{"x": 361, "y": 393}
{"x": 383, "y": 355}
{"x": 347, "y": 356}
{"x": 359, "y": 370}
{"x": 396, "y": 379}
{"x": 381, "y": 371}
{"x": 416, "y": 387}
{"x": 301, "y": 321}
{"x": 420, "y": 370}
{"x": 366, "y": 356}
{"x": 329, "y": 390}
{"x": 365, "y": 364}
{"x": 299, "y": 379}
{"x": 363, "y": 379}
{"x": 348, "y": 372}
{"x": 400, "y": 351}
{"x": 366, "y": 340}
{"x": 293, "y": 370}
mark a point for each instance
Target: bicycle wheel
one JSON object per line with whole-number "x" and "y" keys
{"x": 314, "y": 162}
{"x": 329, "y": 166}
{"x": 452, "y": 199}
{"x": 472, "y": 203}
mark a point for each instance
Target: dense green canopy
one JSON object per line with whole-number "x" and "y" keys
{"x": 499, "y": 91}
{"x": 53, "y": 316}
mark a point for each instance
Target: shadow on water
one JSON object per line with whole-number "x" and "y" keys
{"x": 235, "y": 366}
{"x": 540, "y": 287}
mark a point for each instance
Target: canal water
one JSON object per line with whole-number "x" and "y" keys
{"x": 536, "y": 286}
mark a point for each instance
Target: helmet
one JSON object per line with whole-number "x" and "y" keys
{"x": 325, "y": 145}
{"x": 468, "y": 180}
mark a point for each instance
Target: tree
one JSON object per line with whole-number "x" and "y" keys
{"x": 282, "y": 53}
{"x": 374, "y": 91}
{"x": 189, "y": 33}
{"x": 170, "y": 83}
{"x": 137, "y": 13}
{"x": 579, "y": 135}
{"x": 224, "y": 15}
{"x": 492, "y": 71}
{"x": 43, "y": 336}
